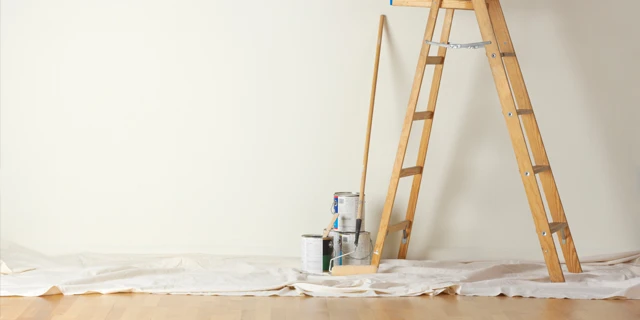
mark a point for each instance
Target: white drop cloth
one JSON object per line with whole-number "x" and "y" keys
{"x": 27, "y": 273}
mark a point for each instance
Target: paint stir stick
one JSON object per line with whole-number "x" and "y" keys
{"x": 330, "y": 226}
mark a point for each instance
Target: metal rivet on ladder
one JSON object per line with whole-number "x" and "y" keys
{"x": 526, "y": 173}
{"x": 493, "y": 55}
{"x": 544, "y": 233}
{"x": 510, "y": 114}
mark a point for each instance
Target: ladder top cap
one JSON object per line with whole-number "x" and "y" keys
{"x": 445, "y": 4}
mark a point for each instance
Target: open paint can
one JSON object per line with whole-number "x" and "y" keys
{"x": 316, "y": 253}
{"x": 344, "y": 242}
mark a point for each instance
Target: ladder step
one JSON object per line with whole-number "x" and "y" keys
{"x": 508, "y": 54}
{"x": 422, "y": 115}
{"x": 412, "y": 171}
{"x": 435, "y": 60}
{"x": 557, "y": 226}
{"x": 399, "y": 226}
{"x": 524, "y": 111}
{"x": 539, "y": 169}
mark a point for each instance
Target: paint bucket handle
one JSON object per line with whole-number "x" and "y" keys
{"x": 370, "y": 251}
{"x": 352, "y": 252}
{"x": 340, "y": 256}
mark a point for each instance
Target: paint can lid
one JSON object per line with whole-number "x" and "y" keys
{"x": 318, "y": 236}
{"x": 348, "y": 232}
{"x": 347, "y": 194}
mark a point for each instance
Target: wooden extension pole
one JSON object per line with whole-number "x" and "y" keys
{"x": 368, "y": 135}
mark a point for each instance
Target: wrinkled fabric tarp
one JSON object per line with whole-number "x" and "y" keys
{"x": 28, "y": 273}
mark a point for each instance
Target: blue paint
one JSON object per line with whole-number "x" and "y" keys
{"x": 335, "y": 210}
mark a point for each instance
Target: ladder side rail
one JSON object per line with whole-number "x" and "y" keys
{"x": 533, "y": 132}
{"x": 406, "y": 130}
{"x": 519, "y": 144}
{"x": 426, "y": 134}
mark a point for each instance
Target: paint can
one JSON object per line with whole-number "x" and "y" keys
{"x": 344, "y": 242}
{"x": 346, "y": 205}
{"x": 316, "y": 253}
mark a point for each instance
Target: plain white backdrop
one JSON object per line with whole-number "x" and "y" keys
{"x": 225, "y": 126}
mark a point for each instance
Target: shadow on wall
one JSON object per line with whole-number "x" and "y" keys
{"x": 602, "y": 53}
{"x": 598, "y": 40}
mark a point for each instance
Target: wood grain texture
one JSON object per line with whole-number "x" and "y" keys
{"x": 518, "y": 142}
{"x": 372, "y": 101}
{"x": 426, "y": 131}
{"x": 348, "y": 270}
{"x": 533, "y": 133}
{"x": 326, "y": 232}
{"x": 557, "y": 226}
{"x": 422, "y": 115}
{"x": 404, "y": 135}
{"x": 446, "y": 4}
{"x": 435, "y": 60}
{"x": 411, "y": 171}
{"x": 399, "y": 226}
{"x": 520, "y": 110}
{"x": 540, "y": 169}
{"x": 442, "y": 307}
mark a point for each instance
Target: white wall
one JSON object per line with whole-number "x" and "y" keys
{"x": 226, "y": 126}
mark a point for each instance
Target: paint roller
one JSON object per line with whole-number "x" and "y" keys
{"x": 365, "y": 159}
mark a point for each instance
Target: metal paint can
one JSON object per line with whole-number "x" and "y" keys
{"x": 316, "y": 253}
{"x": 346, "y": 205}
{"x": 344, "y": 242}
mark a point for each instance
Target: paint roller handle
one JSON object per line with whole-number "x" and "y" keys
{"x": 365, "y": 159}
{"x": 358, "y": 226}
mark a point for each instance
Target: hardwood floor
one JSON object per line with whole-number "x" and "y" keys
{"x": 147, "y": 306}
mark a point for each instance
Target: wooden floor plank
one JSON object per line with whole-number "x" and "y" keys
{"x": 145, "y": 306}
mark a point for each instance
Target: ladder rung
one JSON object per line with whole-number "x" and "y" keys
{"x": 557, "y": 226}
{"x": 524, "y": 111}
{"x": 399, "y": 226}
{"x": 538, "y": 169}
{"x": 508, "y": 54}
{"x": 422, "y": 115}
{"x": 412, "y": 171}
{"x": 435, "y": 60}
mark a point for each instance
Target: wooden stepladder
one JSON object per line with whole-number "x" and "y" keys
{"x": 518, "y": 113}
